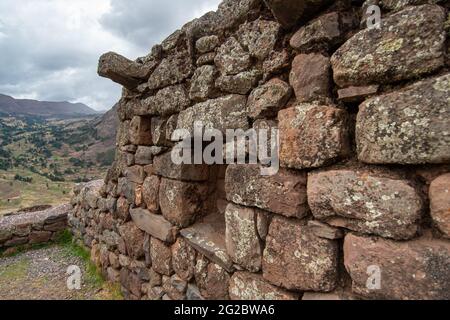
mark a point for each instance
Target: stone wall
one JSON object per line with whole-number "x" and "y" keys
{"x": 33, "y": 227}
{"x": 364, "y": 118}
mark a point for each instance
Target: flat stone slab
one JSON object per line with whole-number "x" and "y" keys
{"x": 208, "y": 237}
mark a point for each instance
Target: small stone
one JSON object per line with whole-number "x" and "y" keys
{"x": 144, "y": 155}
{"x": 357, "y": 94}
{"x": 193, "y": 293}
{"x": 113, "y": 275}
{"x": 250, "y": 286}
{"x": 206, "y": 59}
{"x": 122, "y": 209}
{"x": 440, "y": 203}
{"x": 266, "y": 100}
{"x": 207, "y": 44}
{"x": 135, "y": 174}
{"x": 323, "y": 230}
{"x": 313, "y": 136}
{"x": 175, "y": 288}
{"x": 311, "y": 77}
{"x": 40, "y": 237}
{"x": 203, "y": 83}
{"x": 276, "y": 63}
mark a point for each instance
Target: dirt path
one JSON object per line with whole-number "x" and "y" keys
{"x": 41, "y": 275}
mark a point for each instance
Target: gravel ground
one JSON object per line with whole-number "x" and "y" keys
{"x": 41, "y": 275}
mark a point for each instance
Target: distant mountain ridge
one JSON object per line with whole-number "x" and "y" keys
{"x": 12, "y": 106}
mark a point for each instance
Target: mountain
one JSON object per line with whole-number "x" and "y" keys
{"x": 11, "y": 106}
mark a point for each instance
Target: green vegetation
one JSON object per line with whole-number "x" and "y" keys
{"x": 92, "y": 277}
{"x": 41, "y": 160}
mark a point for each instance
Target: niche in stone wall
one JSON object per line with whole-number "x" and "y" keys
{"x": 207, "y": 234}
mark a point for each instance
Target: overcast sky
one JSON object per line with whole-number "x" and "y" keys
{"x": 49, "y": 49}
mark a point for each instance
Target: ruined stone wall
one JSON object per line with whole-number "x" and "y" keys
{"x": 30, "y": 228}
{"x": 364, "y": 118}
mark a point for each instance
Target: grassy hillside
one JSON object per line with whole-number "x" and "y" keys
{"x": 41, "y": 159}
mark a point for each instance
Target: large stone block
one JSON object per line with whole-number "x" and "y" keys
{"x": 212, "y": 280}
{"x": 408, "y": 44}
{"x": 165, "y": 167}
{"x": 123, "y": 71}
{"x": 153, "y": 224}
{"x": 203, "y": 83}
{"x": 241, "y": 83}
{"x": 182, "y": 202}
{"x": 167, "y": 101}
{"x": 408, "y": 126}
{"x": 376, "y": 202}
{"x": 140, "y": 131}
{"x": 321, "y": 33}
{"x": 172, "y": 70}
{"x": 311, "y": 77}
{"x": 440, "y": 203}
{"x": 296, "y": 259}
{"x": 313, "y": 136}
{"x": 250, "y": 286}
{"x": 291, "y": 12}
{"x": 243, "y": 243}
{"x": 283, "y": 193}
{"x": 228, "y": 112}
{"x": 414, "y": 270}
{"x": 259, "y": 37}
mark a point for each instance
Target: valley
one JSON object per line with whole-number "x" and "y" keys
{"x": 41, "y": 159}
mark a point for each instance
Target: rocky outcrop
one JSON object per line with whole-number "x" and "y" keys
{"x": 350, "y": 214}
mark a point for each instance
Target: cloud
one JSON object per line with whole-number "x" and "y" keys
{"x": 50, "y": 48}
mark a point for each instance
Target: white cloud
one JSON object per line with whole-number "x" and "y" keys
{"x": 50, "y": 48}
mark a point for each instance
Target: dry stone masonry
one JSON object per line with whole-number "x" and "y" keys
{"x": 32, "y": 228}
{"x": 363, "y": 189}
